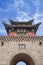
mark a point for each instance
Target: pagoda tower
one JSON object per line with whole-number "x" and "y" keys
{"x": 21, "y": 28}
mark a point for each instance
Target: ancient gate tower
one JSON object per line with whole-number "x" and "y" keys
{"x": 21, "y": 44}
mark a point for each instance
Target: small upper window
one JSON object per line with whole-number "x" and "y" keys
{"x": 21, "y": 46}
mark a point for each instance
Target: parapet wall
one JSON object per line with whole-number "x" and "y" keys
{"x": 21, "y": 38}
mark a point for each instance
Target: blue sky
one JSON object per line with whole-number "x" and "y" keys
{"x": 21, "y": 10}
{"x": 21, "y": 63}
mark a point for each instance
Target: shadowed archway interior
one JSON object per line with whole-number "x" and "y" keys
{"x": 22, "y": 57}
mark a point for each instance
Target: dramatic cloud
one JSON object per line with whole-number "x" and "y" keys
{"x": 23, "y": 16}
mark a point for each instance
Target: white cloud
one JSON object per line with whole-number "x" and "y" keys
{"x": 36, "y": 2}
{"x": 19, "y": 3}
{"x": 15, "y": 6}
{"x": 2, "y": 31}
{"x": 37, "y": 17}
{"x": 23, "y": 16}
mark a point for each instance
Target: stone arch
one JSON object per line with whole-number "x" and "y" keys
{"x": 22, "y": 57}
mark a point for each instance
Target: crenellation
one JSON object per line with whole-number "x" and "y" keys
{"x": 21, "y": 38}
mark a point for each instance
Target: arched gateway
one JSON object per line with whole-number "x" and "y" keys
{"x": 22, "y": 57}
